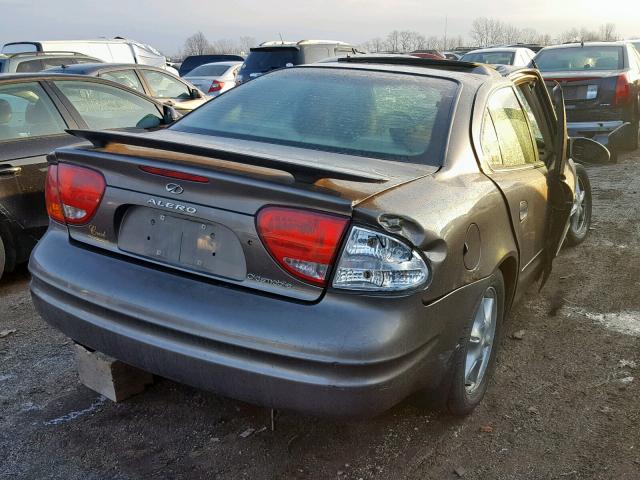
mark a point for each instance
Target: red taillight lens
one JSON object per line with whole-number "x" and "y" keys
{"x": 623, "y": 90}
{"x": 216, "y": 86}
{"x": 52, "y": 195}
{"x": 73, "y": 193}
{"x": 304, "y": 243}
{"x": 174, "y": 174}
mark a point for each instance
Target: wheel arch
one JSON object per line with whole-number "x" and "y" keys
{"x": 509, "y": 269}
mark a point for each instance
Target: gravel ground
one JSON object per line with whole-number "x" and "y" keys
{"x": 565, "y": 402}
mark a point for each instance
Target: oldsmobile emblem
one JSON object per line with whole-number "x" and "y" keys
{"x": 174, "y": 188}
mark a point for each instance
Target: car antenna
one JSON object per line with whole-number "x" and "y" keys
{"x": 281, "y": 40}
{"x": 582, "y": 43}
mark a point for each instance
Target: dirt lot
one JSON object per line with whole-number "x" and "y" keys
{"x": 565, "y": 403}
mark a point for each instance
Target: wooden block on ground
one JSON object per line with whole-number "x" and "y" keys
{"x": 110, "y": 377}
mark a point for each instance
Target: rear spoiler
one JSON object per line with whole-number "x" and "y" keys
{"x": 305, "y": 172}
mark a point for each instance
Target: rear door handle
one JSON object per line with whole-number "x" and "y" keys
{"x": 524, "y": 210}
{"x": 8, "y": 171}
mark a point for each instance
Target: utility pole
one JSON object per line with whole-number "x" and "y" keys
{"x": 446, "y": 20}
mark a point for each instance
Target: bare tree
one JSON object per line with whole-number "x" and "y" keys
{"x": 245, "y": 44}
{"x": 196, "y": 44}
{"x": 393, "y": 41}
{"x": 608, "y": 32}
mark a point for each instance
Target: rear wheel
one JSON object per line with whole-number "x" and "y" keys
{"x": 581, "y": 215}
{"x": 475, "y": 360}
{"x": 632, "y": 138}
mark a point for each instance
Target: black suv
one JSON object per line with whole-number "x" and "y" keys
{"x": 274, "y": 55}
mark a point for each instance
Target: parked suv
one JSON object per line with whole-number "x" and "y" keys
{"x": 29, "y": 62}
{"x": 330, "y": 237}
{"x": 273, "y": 55}
{"x": 601, "y": 85}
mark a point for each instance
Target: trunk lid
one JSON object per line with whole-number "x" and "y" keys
{"x": 586, "y": 89}
{"x": 204, "y": 224}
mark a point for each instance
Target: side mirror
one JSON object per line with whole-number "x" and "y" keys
{"x": 195, "y": 94}
{"x": 585, "y": 150}
{"x": 169, "y": 114}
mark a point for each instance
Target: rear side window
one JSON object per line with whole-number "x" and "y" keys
{"x": 581, "y": 59}
{"x": 26, "y": 111}
{"x": 495, "y": 58}
{"x": 104, "y": 106}
{"x": 382, "y": 115}
{"x": 211, "y": 70}
{"x": 165, "y": 86}
{"x": 29, "y": 66}
{"x": 514, "y": 136}
{"x": 128, "y": 78}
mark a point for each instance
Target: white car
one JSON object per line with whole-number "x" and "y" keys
{"x": 214, "y": 78}
{"x": 516, "y": 56}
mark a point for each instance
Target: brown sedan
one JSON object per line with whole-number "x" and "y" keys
{"x": 328, "y": 238}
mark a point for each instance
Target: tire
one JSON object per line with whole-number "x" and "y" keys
{"x": 465, "y": 394}
{"x": 632, "y": 138}
{"x": 581, "y": 219}
{"x": 3, "y": 257}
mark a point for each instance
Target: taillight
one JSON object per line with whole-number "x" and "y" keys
{"x": 216, "y": 86}
{"x": 52, "y": 196}
{"x": 303, "y": 242}
{"x": 623, "y": 90}
{"x": 373, "y": 261}
{"x": 73, "y": 193}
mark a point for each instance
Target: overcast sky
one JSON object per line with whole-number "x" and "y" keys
{"x": 166, "y": 23}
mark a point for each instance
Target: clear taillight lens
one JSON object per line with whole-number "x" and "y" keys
{"x": 373, "y": 261}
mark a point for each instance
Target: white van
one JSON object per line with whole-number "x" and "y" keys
{"x": 116, "y": 50}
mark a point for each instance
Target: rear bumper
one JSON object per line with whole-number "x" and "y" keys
{"x": 609, "y": 133}
{"x": 344, "y": 355}
{"x": 606, "y": 132}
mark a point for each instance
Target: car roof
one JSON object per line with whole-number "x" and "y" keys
{"x": 620, "y": 43}
{"x": 94, "y": 68}
{"x": 225, "y": 64}
{"x": 464, "y": 72}
{"x": 497, "y": 49}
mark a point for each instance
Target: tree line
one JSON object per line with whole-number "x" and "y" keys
{"x": 484, "y": 32}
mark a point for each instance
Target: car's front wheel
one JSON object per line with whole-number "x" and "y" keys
{"x": 581, "y": 215}
{"x": 476, "y": 357}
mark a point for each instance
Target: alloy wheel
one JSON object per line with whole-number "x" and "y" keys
{"x": 480, "y": 343}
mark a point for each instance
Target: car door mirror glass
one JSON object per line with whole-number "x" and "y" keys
{"x": 169, "y": 114}
{"x": 585, "y": 150}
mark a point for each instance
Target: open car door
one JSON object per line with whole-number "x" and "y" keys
{"x": 561, "y": 185}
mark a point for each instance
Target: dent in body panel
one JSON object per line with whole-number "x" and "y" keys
{"x": 436, "y": 213}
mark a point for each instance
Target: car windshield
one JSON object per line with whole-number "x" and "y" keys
{"x": 580, "y": 58}
{"x": 495, "y": 58}
{"x": 209, "y": 70}
{"x": 390, "y": 116}
{"x": 265, "y": 60}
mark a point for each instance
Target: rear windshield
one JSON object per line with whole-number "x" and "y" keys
{"x": 495, "y": 58}
{"x": 389, "y": 116}
{"x": 211, "y": 70}
{"x": 581, "y": 59}
{"x": 263, "y": 61}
